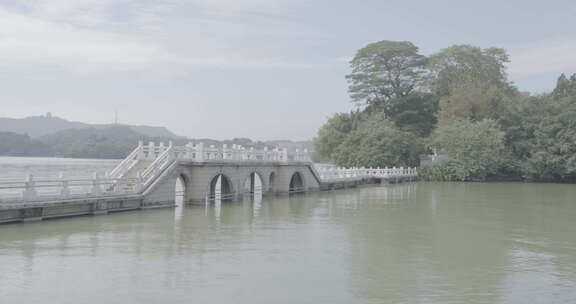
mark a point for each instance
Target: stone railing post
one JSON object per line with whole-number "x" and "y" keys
{"x": 29, "y": 192}
{"x": 200, "y": 152}
{"x": 210, "y": 153}
{"x": 140, "y": 148}
{"x": 233, "y": 152}
{"x": 65, "y": 191}
{"x": 151, "y": 150}
{"x": 139, "y": 185}
{"x": 285, "y": 155}
{"x": 96, "y": 190}
{"x": 161, "y": 148}
{"x": 189, "y": 151}
{"x": 225, "y": 152}
{"x": 172, "y": 154}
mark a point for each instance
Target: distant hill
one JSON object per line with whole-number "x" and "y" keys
{"x": 53, "y": 136}
{"x": 37, "y": 126}
{"x": 112, "y": 142}
{"x": 13, "y": 144}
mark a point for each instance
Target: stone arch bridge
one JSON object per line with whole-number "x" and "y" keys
{"x": 147, "y": 178}
{"x": 200, "y": 180}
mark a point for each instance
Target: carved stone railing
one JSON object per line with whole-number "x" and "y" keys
{"x": 159, "y": 157}
{"x": 235, "y": 153}
{"x": 45, "y": 189}
{"x": 334, "y": 174}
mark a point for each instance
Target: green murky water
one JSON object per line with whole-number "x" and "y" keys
{"x": 407, "y": 243}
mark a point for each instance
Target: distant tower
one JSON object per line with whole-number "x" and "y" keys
{"x": 49, "y": 115}
{"x": 115, "y": 117}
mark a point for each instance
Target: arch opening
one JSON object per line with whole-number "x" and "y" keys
{"x": 220, "y": 189}
{"x": 181, "y": 190}
{"x": 296, "y": 183}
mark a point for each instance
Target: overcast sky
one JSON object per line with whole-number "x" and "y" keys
{"x": 264, "y": 69}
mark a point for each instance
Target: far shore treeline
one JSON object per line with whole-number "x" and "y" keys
{"x": 110, "y": 142}
{"x": 458, "y": 103}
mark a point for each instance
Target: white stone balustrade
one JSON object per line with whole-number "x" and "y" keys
{"x": 162, "y": 156}
{"x": 45, "y": 189}
{"x": 332, "y": 173}
{"x": 202, "y": 153}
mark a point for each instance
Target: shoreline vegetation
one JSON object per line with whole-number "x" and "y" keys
{"x": 457, "y": 104}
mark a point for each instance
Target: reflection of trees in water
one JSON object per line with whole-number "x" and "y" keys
{"x": 459, "y": 249}
{"x": 407, "y": 252}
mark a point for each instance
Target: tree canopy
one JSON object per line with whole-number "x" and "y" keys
{"x": 565, "y": 87}
{"x": 334, "y": 132}
{"x": 474, "y": 150}
{"x": 458, "y": 102}
{"x": 376, "y": 142}
{"x": 385, "y": 70}
{"x": 462, "y": 65}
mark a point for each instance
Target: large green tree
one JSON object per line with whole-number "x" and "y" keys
{"x": 460, "y": 65}
{"x": 472, "y": 150}
{"x": 551, "y": 148}
{"x": 475, "y": 101}
{"x": 471, "y": 82}
{"x": 377, "y": 142}
{"x": 565, "y": 87}
{"x": 416, "y": 112}
{"x": 484, "y": 128}
{"x": 385, "y": 70}
{"x": 334, "y": 132}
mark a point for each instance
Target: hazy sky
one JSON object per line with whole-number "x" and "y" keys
{"x": 265, "y": 69}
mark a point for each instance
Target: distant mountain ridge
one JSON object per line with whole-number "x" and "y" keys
{"x": 56, "y": 137}
{"x": 38, "y": 126}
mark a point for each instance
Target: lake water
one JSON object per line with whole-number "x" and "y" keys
{"x": 406, "y": 243}
{"x": 19, "y": 168}
{"x": 42, "y": 167}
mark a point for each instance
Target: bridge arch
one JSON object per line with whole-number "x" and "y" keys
{"x": 221, "y": 188}
{"x": 297, "y": 184}
{"x": 183, "y": 187}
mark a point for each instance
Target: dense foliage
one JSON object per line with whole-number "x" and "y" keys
{"x": 377, "y": 142}
{"x": 458, "y": 103}
{"x": 473, "y": 150}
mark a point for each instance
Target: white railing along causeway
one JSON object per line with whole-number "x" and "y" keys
{"x": 59, "y": 188}
{"x": 329, "y": 173}
{"x": 143, "y": 166}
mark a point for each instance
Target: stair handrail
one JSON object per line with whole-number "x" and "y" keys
{"x": 157, "y": 166}
{"x": 128, "y": 162}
